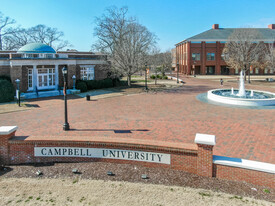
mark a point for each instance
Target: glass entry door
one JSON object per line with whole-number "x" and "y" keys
{"x": 46, "y": 78}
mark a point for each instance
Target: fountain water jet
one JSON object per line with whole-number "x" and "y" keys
{"x": 241, "y": 92}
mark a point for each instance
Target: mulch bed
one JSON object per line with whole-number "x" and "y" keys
{"x": 133, "y": 173}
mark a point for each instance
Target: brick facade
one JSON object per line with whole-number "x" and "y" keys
{"x": 192, "y": 158}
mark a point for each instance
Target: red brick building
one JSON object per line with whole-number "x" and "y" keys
{"x": 202, "y": 53}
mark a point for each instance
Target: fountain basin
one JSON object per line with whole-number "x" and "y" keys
{"x": 259, "y": 98}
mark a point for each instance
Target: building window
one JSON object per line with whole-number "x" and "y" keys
{"x": 210, "y": 70}
{"x": 27, "y": 55}
{"x": 236, "y": 71}
{"x": 257, "y": 70}
{"x": 210, "y": 56}
{"x": 87, "y": 72}
{"x": 30, "y": 80}
{"x": 251, "y": 71}
{"x": 51, "y": 77}
{"x": 265, "y": 71}
{"x": 196, "y": 56}
{"x": 49, "y": 56}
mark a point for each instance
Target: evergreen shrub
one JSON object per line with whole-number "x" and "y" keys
{"x": 81, "y": 85}
{"x": 5, "y": 77}
{"x": 6, "y": 91}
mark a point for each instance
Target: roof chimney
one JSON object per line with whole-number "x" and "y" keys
{"x": 271, "y": 26}
{"x": 215, "y": 26}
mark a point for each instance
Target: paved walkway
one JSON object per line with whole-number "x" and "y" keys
{"x": 173, "y": 116}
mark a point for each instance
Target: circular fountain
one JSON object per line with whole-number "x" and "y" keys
{"x": 241, "y": 96}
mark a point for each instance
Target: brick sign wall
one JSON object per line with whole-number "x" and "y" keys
{"x": 194, "y": 158}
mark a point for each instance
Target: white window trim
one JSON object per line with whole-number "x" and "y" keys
{"x": 48, "y": 79}
{"x": 90, "y": 70}
{"x": 30, "y": 88}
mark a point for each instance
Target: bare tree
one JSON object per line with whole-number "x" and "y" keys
{"x": 161, "y": 62}
{"x": 155, "y": 62}
{"x": 4, "y": 28}
{"x": 166, "y": 62}
{"x": 16, "y": 39}
{"x": 125, "y": 41}
{"x": 47, "y": 35}
{"x": 243, "y": 49}
{"x": 270, "y": 56}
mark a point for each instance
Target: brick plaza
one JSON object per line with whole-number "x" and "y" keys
{"x": 173, "y": 116}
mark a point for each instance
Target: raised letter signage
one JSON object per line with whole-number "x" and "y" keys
{"x": 102, "y": 153}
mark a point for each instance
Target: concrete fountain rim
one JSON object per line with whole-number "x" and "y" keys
{"x": 241, "y": 101}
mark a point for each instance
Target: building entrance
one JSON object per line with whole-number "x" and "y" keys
{"x": 197, "y": 70}
{"x": 224, "y": 70}
{"x": 45, "y": 79}
{"x": 210, "y": 70}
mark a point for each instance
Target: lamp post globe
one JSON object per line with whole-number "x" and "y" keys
{"x": 74, "y": 78}
{"x": 66, "y": 125}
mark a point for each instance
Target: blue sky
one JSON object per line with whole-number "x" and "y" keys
{"x": 172, "y": 21}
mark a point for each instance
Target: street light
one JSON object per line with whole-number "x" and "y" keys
{"x": 74, "y": 78}
{"x": 146, "y": 88}
{"x": 17, "y": 81}
{"x": 66, "y": 125}
{"x": 178, "y": 67}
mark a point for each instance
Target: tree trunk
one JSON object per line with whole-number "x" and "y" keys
{"x": 1, "y": 43}
{"x": 249, "y": 77}
{"x": 129, "y": 80}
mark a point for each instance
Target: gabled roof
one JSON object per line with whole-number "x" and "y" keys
{"x": 222, "y": 34}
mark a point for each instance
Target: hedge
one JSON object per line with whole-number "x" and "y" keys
{"x": 4, "y": 77}
{"x": 6, "y": 91}
{"x": 81, "y": 86}
{"x": 98, "y": 84}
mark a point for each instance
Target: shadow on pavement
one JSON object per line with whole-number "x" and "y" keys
{"x": 114, "y": 130}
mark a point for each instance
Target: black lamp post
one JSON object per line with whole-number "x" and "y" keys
{"x": 146, "y": 88}
{"x": 178, "y": 67}
{"x": 17, "y": 81}
{"x": 66, "y": 125}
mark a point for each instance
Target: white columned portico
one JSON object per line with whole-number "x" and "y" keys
{"x": 34, "y": 77}
{"x": 56, "y": 77}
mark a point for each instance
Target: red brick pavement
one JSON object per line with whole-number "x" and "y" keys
{"x": 174, "y": 116}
